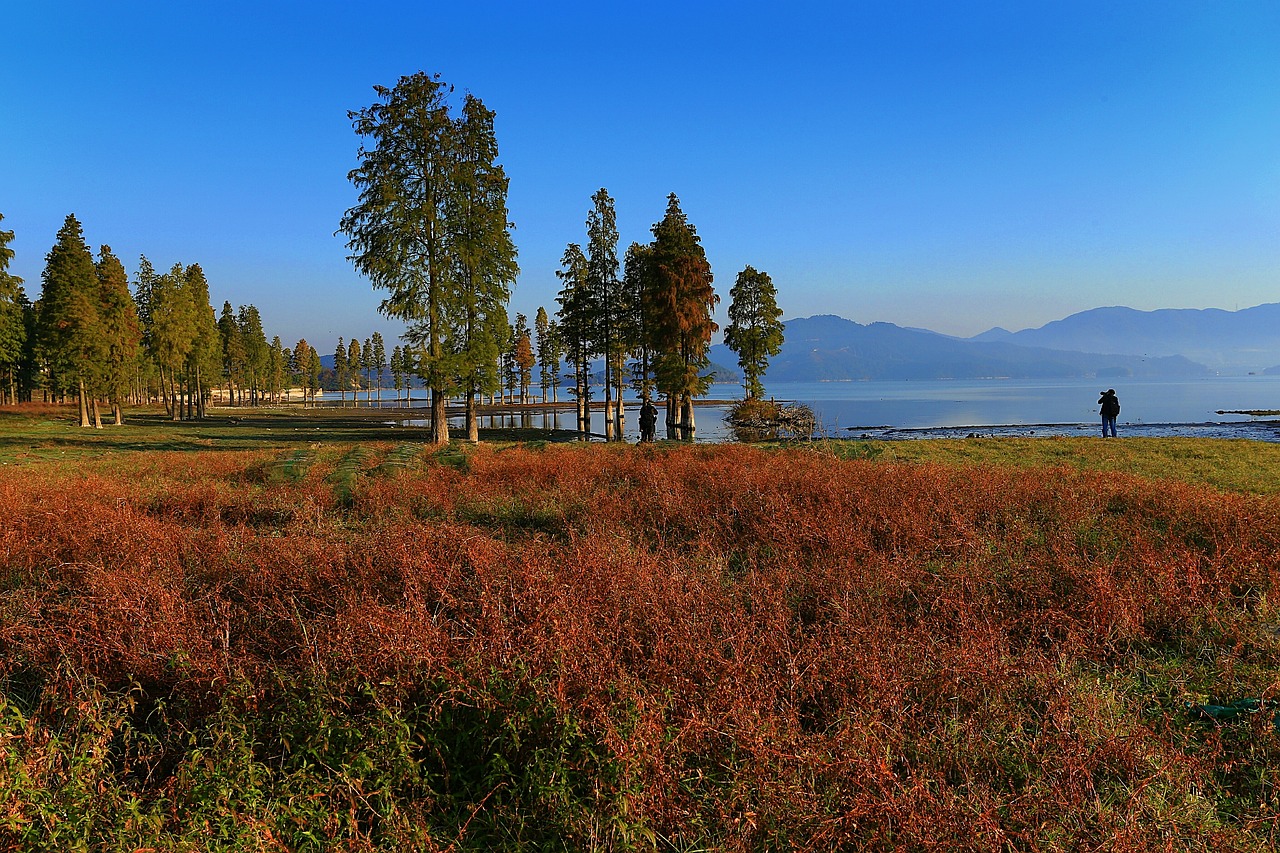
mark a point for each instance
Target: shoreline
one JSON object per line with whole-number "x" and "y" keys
{"x": 1255, "y": 430}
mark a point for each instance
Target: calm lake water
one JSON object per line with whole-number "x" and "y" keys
{"x": 990, "y": 407}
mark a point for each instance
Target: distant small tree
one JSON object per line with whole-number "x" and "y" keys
{"x": 755, "y": 326}
{"x": 377, "y": 354}
{"x": 355, "y": 364}
{"x": 397, "y": 371}
{"x": 340, "y": 371}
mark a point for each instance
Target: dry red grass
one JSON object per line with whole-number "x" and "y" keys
{"x": 777, "y": 647}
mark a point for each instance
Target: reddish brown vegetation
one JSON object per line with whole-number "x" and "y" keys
{"x": 775, "y": 648}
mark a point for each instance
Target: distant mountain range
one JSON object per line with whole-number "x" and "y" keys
{"x": 1103, "y": 343}
{"x": 1225, "y": 341}
{"x": 830, "y": 348}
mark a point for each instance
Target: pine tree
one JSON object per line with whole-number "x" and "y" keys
{"x": 204, "y": 357}
{"x": 606, "y": 302}
{"x": 431, "y": 227}
{"x": 170, "y": 339}
{"x": 70, "y": 321}
{"x": 545, "y": 344}
{"x": 277, "y": 367}
{"x": 577, "y": 313}
{"x": 233, "y": 355}
{"x": 755, "y": 326}
{"x": 354, "y": 362}
{"x": 120, "y": 329}
{"x": 341, "y": 372}
{"x": 13, "y": 331}
{"x": 378, "y": 360}
{"x": 257, "y": 352}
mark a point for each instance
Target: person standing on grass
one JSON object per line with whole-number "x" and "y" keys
{"x": 648, "y": 421}
{"x": 1110, "y": 411}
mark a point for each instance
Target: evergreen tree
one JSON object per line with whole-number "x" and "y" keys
{"x": 120, "y": 329}
{"x": 204, "y": 356}
{"x": 546, "y": 345}
{"x": 755, "y": 326}
{"x": 607, "y": 304}
{"x": 576, "y": 327}
{"x": 148, "y": 376}
{"x": 277, "y": 367}
{"x": 680, "y": 303}
{"x": 638, "y": 282}
{"x": 354, "y": 362}
{"x": 431, "y": 227}
{"x": 257, "y": 352}
{"x": 233, "y": 354}
{"x": 298, "y": 366}
{"x": 378, "y": 360}
{"x": 170, "y": 339}
{"x": 70, "y": 321}
{"x": 397, "y": 371}
{"x": 13, "y": 327}
{"x": 522, "y": 353}
{"x": 313, "y": 374}
{"x": 341, "y": 372}
{"x": 484, "y": 257}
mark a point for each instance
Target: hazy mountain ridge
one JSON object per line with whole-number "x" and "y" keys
{"x": 1241, "y": 341}
{"x": 830, "y": 348}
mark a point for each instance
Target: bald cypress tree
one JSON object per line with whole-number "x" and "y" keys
{"x": 680, "y": 302}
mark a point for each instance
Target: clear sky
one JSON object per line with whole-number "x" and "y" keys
{"x": 948, "y": 165}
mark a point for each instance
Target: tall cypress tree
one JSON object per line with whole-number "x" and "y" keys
{"x": 577, "y": 313}
{"x": 680, "y": 303}
{"x": 483, "y": 255}
{"x": 205, "y": 342}
{"x": 121, "y": 331}
{"x": 431, "y": 228}
{"x": 70, "y": 322}
{"x": 13, "y": 331}
{"x": 606, "y": 290}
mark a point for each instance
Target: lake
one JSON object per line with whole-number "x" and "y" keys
{"x": 906, "y": 409}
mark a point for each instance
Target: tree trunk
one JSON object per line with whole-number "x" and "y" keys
{"x": 97, "y": 413}
{"x": 84, "y": 406}
{"x": 473, "y": 419}
{"x": 439, "y": 417}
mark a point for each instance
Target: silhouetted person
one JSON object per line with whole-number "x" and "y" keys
{"x": 648, "y": 421}
{"x": 1110, "y": 411}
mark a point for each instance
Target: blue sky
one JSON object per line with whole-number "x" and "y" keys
{"x": 953, "y": 166}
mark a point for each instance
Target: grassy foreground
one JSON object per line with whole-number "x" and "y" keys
{"x": 232, "y": 637}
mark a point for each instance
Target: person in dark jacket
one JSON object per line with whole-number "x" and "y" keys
{"x": 1110, "y": 404}
{"x": 648, "y": 421}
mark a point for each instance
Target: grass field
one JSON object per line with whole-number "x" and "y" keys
{"x": 279, "y": 631}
